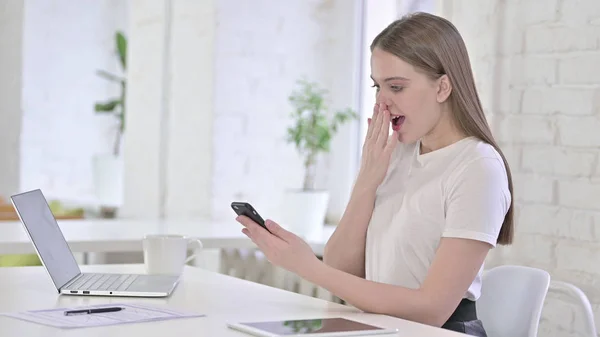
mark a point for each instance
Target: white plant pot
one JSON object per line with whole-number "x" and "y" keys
{"x": 108, "y": 180}
{"x": 303, "y": 212}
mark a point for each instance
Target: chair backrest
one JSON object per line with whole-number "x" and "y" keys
{"x": 511, "y": 301}
{"x": 582, "y": 300}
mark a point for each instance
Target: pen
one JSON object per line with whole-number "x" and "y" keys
{"x": 92, "y": 311}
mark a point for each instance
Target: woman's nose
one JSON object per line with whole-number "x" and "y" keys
{"x": 382, "y": 99}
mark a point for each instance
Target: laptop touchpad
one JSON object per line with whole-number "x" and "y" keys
{"x": 152, "y": 283}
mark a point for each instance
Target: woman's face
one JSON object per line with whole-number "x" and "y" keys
{"x": 413, "y": 99}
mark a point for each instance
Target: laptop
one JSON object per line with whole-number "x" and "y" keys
{"x": 58, "y": 260}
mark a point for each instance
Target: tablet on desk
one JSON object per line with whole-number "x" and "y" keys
{"x": 325, "y": 327}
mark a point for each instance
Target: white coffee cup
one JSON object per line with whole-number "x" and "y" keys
{"x": 166, "y": 254}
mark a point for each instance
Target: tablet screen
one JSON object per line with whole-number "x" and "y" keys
{"x": 312, "y": 326}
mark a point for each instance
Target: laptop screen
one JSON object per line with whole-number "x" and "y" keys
{"x": 46, "y": 236}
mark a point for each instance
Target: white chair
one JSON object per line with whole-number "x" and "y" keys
{"x": 583, "y": 301}
{"x": 511, "y": 300}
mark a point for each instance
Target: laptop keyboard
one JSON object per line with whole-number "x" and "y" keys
{"x": 112, "y": 282}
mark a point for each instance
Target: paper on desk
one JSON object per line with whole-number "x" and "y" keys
{"x": 132, "y": 313}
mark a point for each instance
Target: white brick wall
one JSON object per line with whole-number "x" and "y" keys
{"x": 550, "y": 134}
{"x": 560, "y": 161}
{"x": 558, "y": 222}
{"x": 546, "y": 39}
{"x": 526, "y": 129}
{"x": 579, "y": 131}
{"x": 581, "y": 69}
{"x": 577, "y": 11}
{"x": 11, "y": 28}
{"x": 561, "y": 101}
{"x": 64, "y": 43}
{"x": 529, "y": 70}
{"x": 579, "y": 194}
{"x": 261, "y": 50}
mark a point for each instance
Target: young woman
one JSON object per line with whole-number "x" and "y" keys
{"x": 429, "y": 201}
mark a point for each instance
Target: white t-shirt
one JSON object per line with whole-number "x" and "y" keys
{"x": 458, "y": 191}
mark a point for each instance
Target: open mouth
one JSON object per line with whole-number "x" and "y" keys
{"x": 397, "y": 122}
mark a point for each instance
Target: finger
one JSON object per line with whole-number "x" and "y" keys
{"x": 384, "y": 131}
{"x": 269, "y": 244}
{"x": 246, "y": 232}
{"x": 392, "y": 143}
{"x": 260, "y": 233}
{"x": 260, "y": 244}
{"x": 375, "y": 109}
{"x": 274, "y": 228}
{"x": 255, "y": 235}
{"x": 377, "y": 125}
{"x": 373, "y": 120}
{"x": 382, "y": 107}
{"x": 248, "y": 223}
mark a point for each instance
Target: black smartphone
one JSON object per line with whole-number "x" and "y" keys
{"x": 244, "y": 208}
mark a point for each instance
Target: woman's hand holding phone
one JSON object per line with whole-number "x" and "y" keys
{"x": 281, "y": 247}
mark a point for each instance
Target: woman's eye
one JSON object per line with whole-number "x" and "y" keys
{"x": 375, "y": 86}
{"x": 396, "y": 88}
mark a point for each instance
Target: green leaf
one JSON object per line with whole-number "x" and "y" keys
{"x": 121, "y": 42}
{"x": 109, "y": 106}
{"x": 110, "y": 76}
{"x": 313, "y": 130}
{"x": 341, "y": 117}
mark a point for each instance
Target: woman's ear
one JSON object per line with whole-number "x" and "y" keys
{"x": 444, "y": 88}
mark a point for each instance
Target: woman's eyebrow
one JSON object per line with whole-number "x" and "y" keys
{"x": 396, "y": 78}
{"x": 393, "y": 78}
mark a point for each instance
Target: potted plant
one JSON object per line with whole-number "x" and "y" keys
{"x": 313, "y": 128}
{"x": 108, "y": 175}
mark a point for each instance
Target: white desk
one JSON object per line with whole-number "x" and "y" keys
{"x": 118, "y": 235}
{"x": 221, "y": 298}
